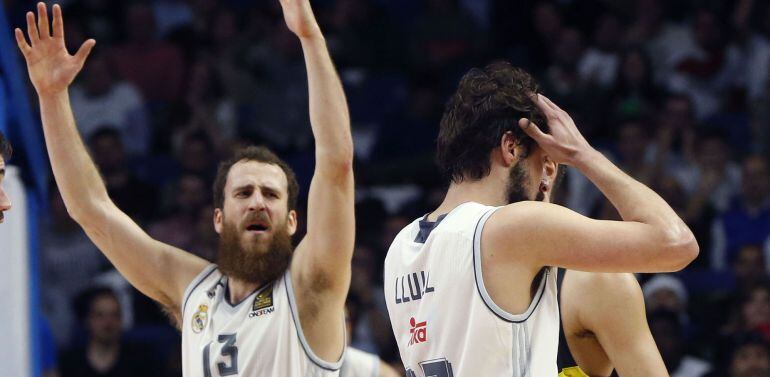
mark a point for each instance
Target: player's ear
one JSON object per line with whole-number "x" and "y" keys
{"x": 550, "y": 168}
{"x": 548, "y": 175}
{"x": 291, "y": 222}
{"x": 510, "y": 152}
{"x": 218, "y": 218}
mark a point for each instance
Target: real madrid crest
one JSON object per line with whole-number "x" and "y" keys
{"x": 200, "y": 318}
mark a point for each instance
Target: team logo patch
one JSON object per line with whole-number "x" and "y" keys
{"x": 263, "y": 303}
{"x": 200, "y": 318}
{"x": 418, "y": 331}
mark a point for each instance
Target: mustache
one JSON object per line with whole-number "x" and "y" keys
{"x": 257, "y": 216}
{"x": 2, "y": 215}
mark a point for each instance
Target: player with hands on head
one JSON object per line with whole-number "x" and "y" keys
{"x": 266, "y": 308}
{"x": 471, "y": 287}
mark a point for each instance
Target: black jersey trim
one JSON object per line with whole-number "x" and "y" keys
{"x": 426, "y": 227}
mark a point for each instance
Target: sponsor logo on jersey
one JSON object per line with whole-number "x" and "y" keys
{"x": 413, "y": 287}
{"x": 200, "y": 318}
{"x": 263, "y": 303}
{"x": 418, "y": 331}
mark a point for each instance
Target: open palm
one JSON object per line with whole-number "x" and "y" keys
{"x": 299, "y": 18}
{"x": 51, "y": 68}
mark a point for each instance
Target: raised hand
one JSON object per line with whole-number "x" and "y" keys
{"x": 51, "y": 68}
{"x": 564, "y": 144}
{"x": 299, "y": 18}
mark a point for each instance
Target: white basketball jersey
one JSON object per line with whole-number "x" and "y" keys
{"x": 261, "y": 336}
{"x": 444, "y": 320}
{"x": 360, "y": 364}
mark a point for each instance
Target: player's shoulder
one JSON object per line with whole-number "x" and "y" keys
{"x": 524, "y": 212}
{"x": 526, "y": 217}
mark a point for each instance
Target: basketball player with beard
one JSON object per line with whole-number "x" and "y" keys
{"x": 471, "y": 287}
{"x": 266, "y": 309}
{"x": 5, "y": 155}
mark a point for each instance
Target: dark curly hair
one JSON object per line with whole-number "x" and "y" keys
{"x": 260, "y": 154}
{"x": 488, "y": 103}
{"x": 5, "y": 148}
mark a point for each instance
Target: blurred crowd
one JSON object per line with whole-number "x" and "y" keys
{"x": 676, "y": 92}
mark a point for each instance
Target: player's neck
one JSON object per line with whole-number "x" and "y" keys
{"x": 238, "y": 290}
{"x": 487, "y": 191}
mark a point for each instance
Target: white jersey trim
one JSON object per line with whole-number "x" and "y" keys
{"x": 301, "y": 334}
{"x": 477, "y": 271}
{"x": 195, "y": 283}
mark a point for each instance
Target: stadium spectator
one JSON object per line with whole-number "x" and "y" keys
{"x": 105, "y": 352}
{"x": 101, "y": 99}
{"x": 749, "y": 267}
{"x": 160, "y": 81}
{"x": 751, "y": 357}
{"x": 187, "y": 196}
{"x": 666, "y": 292}
{"x": 634, "y": 93}
{"x": 599, "y": 64}
{"x": 129, "y": 193}
{"x": 668, "y": 332}
{"x": 68, "y": 263}
{"x": 747, "y": 220}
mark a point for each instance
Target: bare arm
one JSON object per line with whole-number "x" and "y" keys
{"x": 611, "y": 306}
{"x": 651, "y": 236}
{"x": 160, "y": 271}
{"x": 324, "y": 255}
{"x": 321, "y": 264}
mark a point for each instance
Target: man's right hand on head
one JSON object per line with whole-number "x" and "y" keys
{"x": 51, "y": 68}
{"x": 564, "y": 144}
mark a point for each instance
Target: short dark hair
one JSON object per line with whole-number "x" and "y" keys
{"x": 84, "y": 300}
{"x": 260, "y": 154}
{"x": 488, "y": 103}
{"x": 105, "y": 130}
{"x": 747, "y": 339}
{"x": 5, "y": 148}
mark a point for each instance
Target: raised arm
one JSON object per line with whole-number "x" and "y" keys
{"x": 160, "y": 271}
{"x": 611, "y": 308}
{"x": 325, "y": 253}
{"x": 650, "y": 238}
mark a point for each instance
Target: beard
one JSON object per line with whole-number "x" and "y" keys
{"x": 256, "y": 262}
{"x": 518, "y": 189}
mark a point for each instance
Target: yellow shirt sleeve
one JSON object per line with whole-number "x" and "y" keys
{"x": 572, "y": 372}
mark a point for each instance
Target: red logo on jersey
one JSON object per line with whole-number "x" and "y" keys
{"x": 419, "y": 331}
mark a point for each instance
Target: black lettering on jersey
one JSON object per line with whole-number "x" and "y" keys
{"x": 419, "y": 286}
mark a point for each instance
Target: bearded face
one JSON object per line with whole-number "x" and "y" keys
{"x": 254, "y": 259}
{"x": 519, "y": 187}
{"x": 255, "y": 224}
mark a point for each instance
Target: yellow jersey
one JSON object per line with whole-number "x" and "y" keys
{"x": 572, "y": 372}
